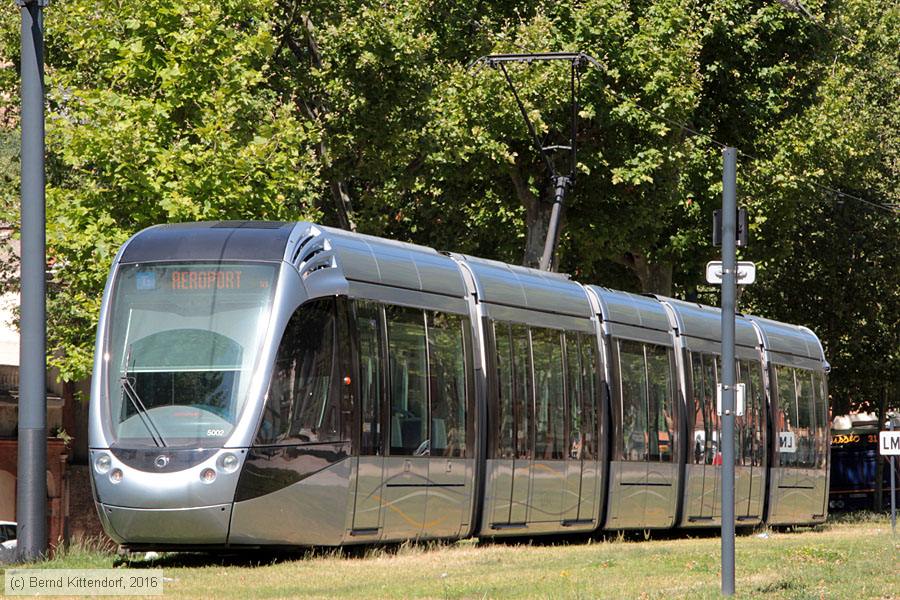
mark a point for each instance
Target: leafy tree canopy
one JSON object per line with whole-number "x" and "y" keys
{"x": 366, "y": 115}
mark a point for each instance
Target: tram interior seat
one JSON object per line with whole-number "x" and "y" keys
{"x": 406, "y": 431}
{"x": 396, "y": 435}
{"x": 411, "y": 429}
{"x": 439, "y": 436}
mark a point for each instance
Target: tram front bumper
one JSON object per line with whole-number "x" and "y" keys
{"x": 200, "y": 526}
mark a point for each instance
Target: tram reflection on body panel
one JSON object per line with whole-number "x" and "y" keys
{"x": 284, "y": 384}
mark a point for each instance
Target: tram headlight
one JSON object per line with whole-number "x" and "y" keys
{"x": 102, "y": 463}
{"x": 208, "y": 475}
{"x": 229, "y": 462}
{"x": 116, "y": 475}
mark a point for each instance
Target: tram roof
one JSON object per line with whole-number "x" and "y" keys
{"x": 216, "y": 240}
{"x": 626, "y": 308}
{"x": 705, "y": 323}
{"x": 791, "y": 340}
{"x": 373, "y": 260}
{"x": 369, "y": 259}
{"x": 521, "y": 287}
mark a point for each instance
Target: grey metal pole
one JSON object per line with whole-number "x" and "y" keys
{"x": 559, "y": 195}
{"x": 893, "y": 488}
{"x": 31, "y": 493}
{"x": 729, "y": 219}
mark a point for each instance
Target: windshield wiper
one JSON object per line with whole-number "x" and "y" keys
{"x": 135, "y": 399}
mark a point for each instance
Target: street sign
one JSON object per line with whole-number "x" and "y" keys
{"x": 787, "y": 442}
{"x": 889, "y": 443}
{"x": 741, "y": 228}
{"x": 738, "y": 399}
{"x": 746, "y": 272}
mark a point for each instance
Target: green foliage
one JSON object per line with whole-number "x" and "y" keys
{"x": 365, "y": 114}
{"x": 829, "y": 261}
{"x": 158, "y": 112}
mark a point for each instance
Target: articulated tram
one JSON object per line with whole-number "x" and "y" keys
{"x": 282, "y": 384}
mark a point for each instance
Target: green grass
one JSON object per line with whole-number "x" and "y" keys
{"x": 849, "y": 558}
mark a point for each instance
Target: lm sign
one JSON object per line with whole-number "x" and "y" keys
{"x": 889, "y": 443}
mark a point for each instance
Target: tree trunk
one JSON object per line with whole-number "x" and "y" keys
{"x": 316, "y": 109}
{"x": 655, "y": 278}
{"x": 537, "y": 219}
{"x": 68, "y": 411}
{"x": 342, "y": 202}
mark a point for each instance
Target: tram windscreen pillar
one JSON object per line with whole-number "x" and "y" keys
{"x": 729, "y": 213}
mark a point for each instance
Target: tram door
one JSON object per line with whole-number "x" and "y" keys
{"x": 550, "y": 468}
{"x": 449, "y": 488}
{"x": 406, "y": 468}
{"x": 582, "y": 472}
{"x": 704, "y": 486}
{"x": 370, "y": 460}
{"x": 645, "y": 478}
{"x": 799, "y": 421}
{"x": 523, "y": 399}
{"x": 705, "y": 502}
{"x": 511, "y": 451}
{"x": 750, "y": 444}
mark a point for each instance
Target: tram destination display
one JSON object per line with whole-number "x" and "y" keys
{"x": 201, "y": 278}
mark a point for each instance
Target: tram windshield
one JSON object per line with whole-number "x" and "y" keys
{"x": 183, "y": 342}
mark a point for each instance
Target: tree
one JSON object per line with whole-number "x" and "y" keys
{"x": 366, "y": 115}
{"x": 451, "y": 164}
{"x": 158, "y": 112}
{"x": 829, "y": 260}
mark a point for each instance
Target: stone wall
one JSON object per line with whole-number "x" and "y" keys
{"x": 57, "y": 485}
{"x": 84, "y": 524}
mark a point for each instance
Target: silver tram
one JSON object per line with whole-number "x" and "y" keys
{"x": 275, "y": 384}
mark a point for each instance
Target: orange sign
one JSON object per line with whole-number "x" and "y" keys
{"x": 206, "y": 280}
{"x": 852, "y": 438}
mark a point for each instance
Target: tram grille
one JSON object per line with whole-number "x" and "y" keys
{"x": 313, "y": 253}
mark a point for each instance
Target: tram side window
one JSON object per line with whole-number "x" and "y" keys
{"x": 447, "y": 378}
{"x": 823, "y": 434}
{"x": 577, "y": 424}
{"x": 505, "y": 434}
{"x": 408, "y": 373}
{"x": 504, "y": 430}
{"x": 706, "y": 421}
{"x": 522, "y": 390}
{"x": 303, "y": 401}
{"x": 633, "y": 394}
{"x": 367, "y": 324}
{"x": 741, "y": 438}
{"x": 750, "y": 441}
{"x": 806, "y": 426}
{"x": 590, "y": 413}
{"x": 744, "y": 425}
{"x": 786, "y": 420}
{"x": 661, "y": 416}
{"x": 760, "y": 400}
{"x": 550, "y": 409}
